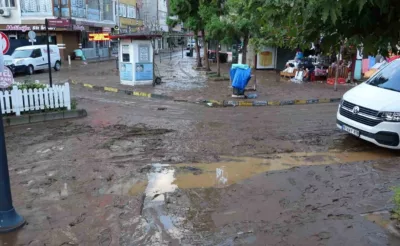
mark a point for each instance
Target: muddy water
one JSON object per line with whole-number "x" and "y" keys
{"x": 234, "y": 169}
{"x": 231, "y": 170}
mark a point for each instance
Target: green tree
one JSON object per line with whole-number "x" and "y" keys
{"x": 243, "y": 16}
{"x": 288, "y": 23}
{"x": 217, "y": 28}
{"x": 188, "y": 12}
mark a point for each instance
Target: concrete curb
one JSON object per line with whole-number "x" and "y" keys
{"x": 211, "y": 103}
{"x": 126, "y": 92}
{"x": 42, "y": 117}
{"x": 231, "y": 103}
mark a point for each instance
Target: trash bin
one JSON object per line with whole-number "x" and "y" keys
{"x": 240, "y": 75}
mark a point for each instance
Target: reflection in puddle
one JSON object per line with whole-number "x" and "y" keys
{"x": 234, "y": 169}
{"x": 157, "y": 220}
{"x": 160, "y": 181}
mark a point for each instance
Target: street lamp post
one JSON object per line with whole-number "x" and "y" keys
{"x": 10, "y": 220}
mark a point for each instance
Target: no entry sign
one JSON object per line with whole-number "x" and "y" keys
{"x": 4, "y": 42}
{"x": 6, "y": 78}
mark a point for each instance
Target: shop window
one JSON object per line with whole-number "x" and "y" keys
{"x": 7, "y": 3}
{"x": 34, "y": 7}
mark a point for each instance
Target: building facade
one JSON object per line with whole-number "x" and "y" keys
{"x": 154, "y": 15}
{"x": 129, "y": 16}
{"x": 87, "y": 16}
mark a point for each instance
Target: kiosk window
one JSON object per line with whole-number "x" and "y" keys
{"x": 125, "y": 53}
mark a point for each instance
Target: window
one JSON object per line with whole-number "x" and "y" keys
{"x": 125, "y": 53}
{"x": 36, "y": 53}
{"x": 35, "y": 7}
{"x": 122, "y": 10}
{"x": 78, "y": 8}
{"x": 108, "y": 13}
{"x": 131, "y": 12}
{"x": 7, "y": 3}
{"x": 388, "y": 77}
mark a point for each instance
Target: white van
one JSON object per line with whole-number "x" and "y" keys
{"x": 28, "y": 59}
{"x": 371, "y": 110}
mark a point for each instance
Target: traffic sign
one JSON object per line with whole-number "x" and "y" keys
{"x": 6, "y": 78}
{"x": 4, "y": 42}
{"x": 31, "y": 35}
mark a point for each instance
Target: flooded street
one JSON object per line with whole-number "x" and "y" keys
{"x": 132, "y": 174}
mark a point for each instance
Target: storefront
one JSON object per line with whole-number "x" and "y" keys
{"x": 66, "y": 39}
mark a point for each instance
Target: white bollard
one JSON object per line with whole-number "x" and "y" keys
{"x": 69, "y": 60}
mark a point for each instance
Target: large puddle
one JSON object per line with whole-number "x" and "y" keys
{"x": 231, "y": 170}
{"x": 163, "y": 179}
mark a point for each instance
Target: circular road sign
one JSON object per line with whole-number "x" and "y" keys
{"x": 6, "y": 78}
{"x": 31, "y": 35}
{"x": 4, "y": 42}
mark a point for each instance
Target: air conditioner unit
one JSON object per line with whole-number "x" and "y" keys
{"x": 5, "y": 12}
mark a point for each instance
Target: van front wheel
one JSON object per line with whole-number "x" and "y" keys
{"x": 57, "y": 66}
{"x": 30, "y": 70}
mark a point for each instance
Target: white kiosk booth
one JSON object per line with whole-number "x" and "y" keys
{"x": 135, "y": 58}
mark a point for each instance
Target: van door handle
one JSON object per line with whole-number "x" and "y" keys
{"x": 43, "y": 58}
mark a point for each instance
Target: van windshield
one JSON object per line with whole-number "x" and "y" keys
{"x": 21, "y": 53}
{"x": 388, "y": 77}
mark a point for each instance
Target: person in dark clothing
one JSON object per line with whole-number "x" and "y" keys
{"x": 307, "y": 64}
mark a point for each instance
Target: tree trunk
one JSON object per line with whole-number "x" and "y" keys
{"x": 218, "y": 63}
{"x": 205, "y": 50}
{"x": 244, "y": 49}
{"x": 196, "y": 38}
{"x": 337, "y": 68}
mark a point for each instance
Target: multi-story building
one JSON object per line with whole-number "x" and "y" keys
{"x": 154, "y": 14}
{"x": 129, "y": 16}
{"x": 17, "y": 18}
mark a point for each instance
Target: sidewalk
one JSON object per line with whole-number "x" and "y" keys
{"x": 182, "y": 82}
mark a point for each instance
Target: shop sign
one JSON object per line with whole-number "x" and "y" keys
{"x": 24, "y": 28}
{"x": 106, "y": 29}
{"x": 59, "y": 22}
{"x": 78, "y": 28}
{"x": 99, "y": 36}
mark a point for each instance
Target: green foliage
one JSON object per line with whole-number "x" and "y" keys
{"x": 30, "y": 85}
{"x": 396, "y": 200}
{"x": 288, "y": 23}
{"x": 74, "y": 104}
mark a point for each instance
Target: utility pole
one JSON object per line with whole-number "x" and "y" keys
{"x": 46, "y": 21}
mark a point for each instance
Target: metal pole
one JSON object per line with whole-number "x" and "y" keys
{"x": 48, "y": 51}
{"x": 10, "y": 220}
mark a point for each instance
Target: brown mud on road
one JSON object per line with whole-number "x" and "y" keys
{"x": 130, "y": 174}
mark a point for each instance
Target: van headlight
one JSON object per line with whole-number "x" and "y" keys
{"x": 391, "y": 116}
{"x": 20, "y": 62}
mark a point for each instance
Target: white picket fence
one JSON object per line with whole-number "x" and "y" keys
{"x": 17, "y": 101}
